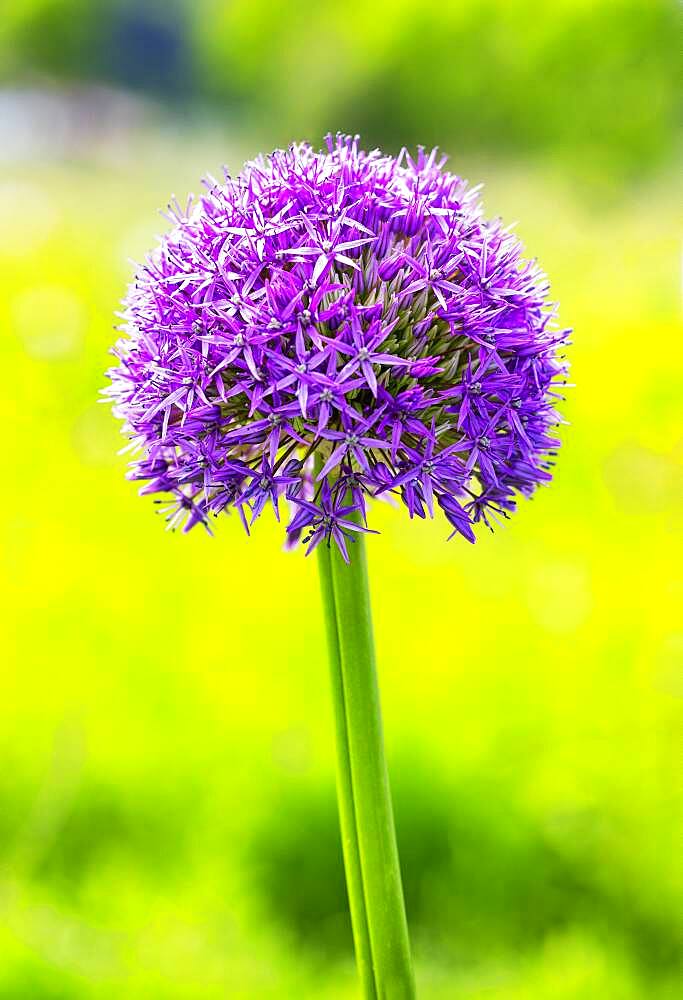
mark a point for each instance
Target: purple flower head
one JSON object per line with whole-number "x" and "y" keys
{"x": 332, "y": 326}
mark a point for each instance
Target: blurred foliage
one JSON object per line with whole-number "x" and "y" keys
{"x": 143, "y": 46}
{"x": 167, "y": 812}
{"x": 593, "y": 81}
{"x": 515, "y": 883}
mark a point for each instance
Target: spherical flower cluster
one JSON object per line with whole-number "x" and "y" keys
{"x": 333, "y": 326}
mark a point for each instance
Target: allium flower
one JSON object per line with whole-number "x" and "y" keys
{"x": 333, "y": 326}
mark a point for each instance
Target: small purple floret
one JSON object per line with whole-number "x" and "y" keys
{"x": 333, "y": 326}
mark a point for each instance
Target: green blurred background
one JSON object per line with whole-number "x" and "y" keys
{"x": 167, "y": 812}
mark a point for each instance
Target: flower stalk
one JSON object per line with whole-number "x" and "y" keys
{"x": 371, "y": 862}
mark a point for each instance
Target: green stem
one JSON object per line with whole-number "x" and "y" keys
{"x": 347, "y": 810}
{"x": 369, "y": 841}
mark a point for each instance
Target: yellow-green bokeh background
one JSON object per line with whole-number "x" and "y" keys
{"x": 167, "y": 817}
